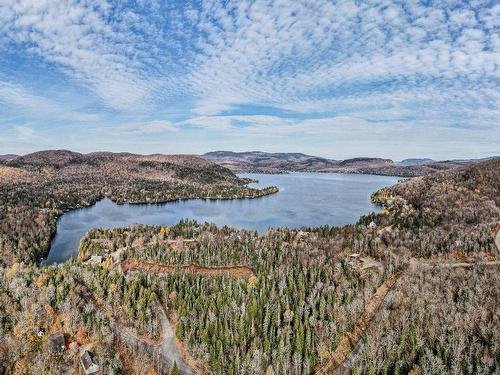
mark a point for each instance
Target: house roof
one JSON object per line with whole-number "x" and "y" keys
{"x": 87, "y": 360}
{"x": 57, "y": 340}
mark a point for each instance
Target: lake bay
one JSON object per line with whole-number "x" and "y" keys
{"x": 304, "y": 199}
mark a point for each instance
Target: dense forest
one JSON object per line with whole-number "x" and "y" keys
{"x": 412, "y": 289}
{"x": 36, "y": 189}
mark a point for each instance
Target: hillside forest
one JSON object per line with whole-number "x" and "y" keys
{"x": 411, "y": 289}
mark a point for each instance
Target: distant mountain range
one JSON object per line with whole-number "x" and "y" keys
{"x": 264, "y": 162}
{"x": 280, "y": 162}
{"x": 412, "y": 162}
{"x": 8, "y": 157}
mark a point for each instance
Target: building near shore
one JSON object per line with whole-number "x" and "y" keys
{"x": 89, "y": 363}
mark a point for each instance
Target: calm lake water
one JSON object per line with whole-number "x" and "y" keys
{"x": 304, "y": 199}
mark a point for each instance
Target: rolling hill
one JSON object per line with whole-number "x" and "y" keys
{"x": 264, "y": 162}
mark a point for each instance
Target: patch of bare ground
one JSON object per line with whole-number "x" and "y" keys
{"x": 131, "y": 365}
{"x": 230, "y": 271}
{"x": 181, "y": 244}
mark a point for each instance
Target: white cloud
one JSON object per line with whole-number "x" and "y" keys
{"x": 247, "y": 52}
{"x": 27, "y": 134}
{"x": 78, "y": 37}
{"x": 140, "y": 128}
{"x": 25, "y": 100}
{"x": 363, "y": 64}
{"x": 282, "y": 50}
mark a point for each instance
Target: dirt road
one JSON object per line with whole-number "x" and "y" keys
{"x": 352, "y": 340}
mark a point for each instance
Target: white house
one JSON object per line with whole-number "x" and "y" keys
{"x": 97, "y": 259}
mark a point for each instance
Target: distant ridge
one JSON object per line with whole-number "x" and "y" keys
{"x": 8, "y": 157}
{"x": 52, "y": 157}
{"x": 282, "y": 162}
{"x": 366, "y": 162}
{"x": 411, "y": 162}
{"x": 265, "y": 162}
{"x": 254, "y": 161}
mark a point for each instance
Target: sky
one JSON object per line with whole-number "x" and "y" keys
{"x": 339, "y": 79}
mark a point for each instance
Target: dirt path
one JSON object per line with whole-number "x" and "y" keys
{"x": 195, "y": 365}
{"x": 496, "y": 232}
{"x": 168, "y": 345}
{"x": 416, "y": 265}
{"x": 165, "y": 346}
{"x": 231, "y": 271}
{"x": 353, "y": 339}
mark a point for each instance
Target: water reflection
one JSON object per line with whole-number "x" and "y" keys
{"x": 305, "y": 199}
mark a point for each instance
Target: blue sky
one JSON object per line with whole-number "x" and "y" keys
{"x": 338, "y": 79}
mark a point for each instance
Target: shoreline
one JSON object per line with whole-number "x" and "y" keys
{"x": 41, "y": 262}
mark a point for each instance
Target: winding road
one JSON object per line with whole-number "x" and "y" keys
{"x": 164, "y": 350}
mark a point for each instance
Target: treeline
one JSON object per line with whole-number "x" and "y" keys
{"x": 62, "y": 181}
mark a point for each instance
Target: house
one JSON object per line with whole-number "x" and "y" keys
{"x": 88, "y": 362}
{"x": 97, "y": 259}
{"x": 41, "y": 332}
{"x": 372, "y": 225}
{"x": 57, "y": 341}
{"x": 354, "y": 260}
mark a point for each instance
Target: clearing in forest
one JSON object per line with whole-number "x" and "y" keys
{"x": 231, "y": 271}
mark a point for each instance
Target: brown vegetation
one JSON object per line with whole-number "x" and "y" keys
{"x": 264, "y": 162}
{"x": 351, "y": 339}
{"x": 230, "y": 271}
{"x": 303, "y": 302}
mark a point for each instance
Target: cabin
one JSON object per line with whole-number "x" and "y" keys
{"x": 372, "y": 225}
{"x": 354, "y": 260}
{"x": 41, "y": 332}
{"x": 88, "y": 362}
{"x": 96, "y": 259}
{"x": 57, "y": 342}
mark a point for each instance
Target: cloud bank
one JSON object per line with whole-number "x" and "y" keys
{"x": 243, "y": 70}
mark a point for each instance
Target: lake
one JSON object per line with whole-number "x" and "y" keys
{"x": 304, "y": 199}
